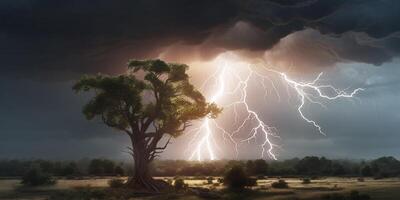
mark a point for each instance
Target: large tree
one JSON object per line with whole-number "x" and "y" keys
{"x": 152, "y": 100}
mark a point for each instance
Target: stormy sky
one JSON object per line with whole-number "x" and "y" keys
{"x": 47, "y": 45}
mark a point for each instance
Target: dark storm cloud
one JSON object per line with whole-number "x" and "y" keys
{"x": 82, "y": 36}
{"x": 61, "y": 39}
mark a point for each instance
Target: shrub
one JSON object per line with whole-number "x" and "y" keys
{"x": 179, "y": 184}
{"x": 251, "y": 182}
{"x": 116, "y": 183}
{"x": 235, "y": 178}
{"x": 210, "y": 180}
{"x": 220, "y": 180}
{"x": 35, "y": 177}
{"x": 306, "y": 181}
{"x": 280, "y": 184}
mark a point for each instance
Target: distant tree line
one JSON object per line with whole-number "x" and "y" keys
{"x": 94, "y": 167}
{"x": 308, "y": 166}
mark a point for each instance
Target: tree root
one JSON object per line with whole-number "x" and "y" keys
{"x": 148, "y": 185}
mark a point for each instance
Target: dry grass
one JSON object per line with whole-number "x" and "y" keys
{"x": 377, "y": 189}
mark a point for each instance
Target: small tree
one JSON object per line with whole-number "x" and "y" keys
{"x": 70, "y": 169}
{"x": 236, "y": 178}
{"x": 35, "y": 177}
{"x": 280, "y": 184}
{"x": 164, "y": 102}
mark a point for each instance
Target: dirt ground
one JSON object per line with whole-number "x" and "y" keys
{"x": 383, "y": 189}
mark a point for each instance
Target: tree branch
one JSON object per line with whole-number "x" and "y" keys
{"x": 165, "y": 146}
{"x": 113, "y": 125}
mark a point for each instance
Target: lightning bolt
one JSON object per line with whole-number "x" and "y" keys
{"x": 204, "y": 141}
{"x": 205, "y": 126}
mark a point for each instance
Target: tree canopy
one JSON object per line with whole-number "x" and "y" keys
{"x": 152, "y": 99}
{"x": 164, "y": 98}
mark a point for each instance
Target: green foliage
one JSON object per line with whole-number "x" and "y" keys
{"x": 35, "y": 177}
{"x": 312, "y": 165}
{"x": 70, "y": 169}
{"x": 182, "y": 168}
{"x": 112, "y": 93}
{"x": 153, "y": 99}
{"x": 257, "y": 167}
{"x": 116, "y": 183}
{"x": 121, "y": 103}
{"x": 100, "y": 167}
{"x": 280, "y": 184}
{"x": 385, "y": 167}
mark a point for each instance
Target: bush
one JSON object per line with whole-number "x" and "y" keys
{"x": 35, "y": 177}
{"x": 210, "y": 180}
{"x": 220, "y": 180}
{"x": 116, "y": 183}
{"x": 280, "y": 184}
{"x": 179, "y": 184}
{"x": 235, "y": 178}
{"x": 306, "y": 181}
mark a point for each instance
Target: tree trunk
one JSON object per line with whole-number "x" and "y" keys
{"x": 142, "y": 180}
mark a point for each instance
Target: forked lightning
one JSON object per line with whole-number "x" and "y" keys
{"x": 203, "y": 144}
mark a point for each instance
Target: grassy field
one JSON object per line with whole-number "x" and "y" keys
{"x": 378, "y": 189}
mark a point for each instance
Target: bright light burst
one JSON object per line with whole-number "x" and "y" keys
{"x": 203, "y": 144}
